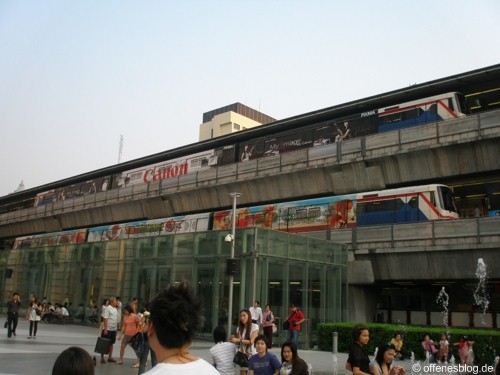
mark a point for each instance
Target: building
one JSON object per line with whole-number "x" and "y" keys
{"x": 274, "y": 267}
{"x": 230, "y": 119}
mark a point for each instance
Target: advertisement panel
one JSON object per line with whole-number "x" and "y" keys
{"x": 299, "y": 216}
{"x": 148, "y": 228}
{"x": 70, "y": 237}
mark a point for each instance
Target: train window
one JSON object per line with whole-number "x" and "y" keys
{"x": 135, "y": 176}
{"x": 396, "y": 117}
{"x": 413, "y": 202}
{"x": 450, "y": 104}
{"x": 412, "y": 114}
{"x": 433, "y": 199}
{"x": 385, "y": 205}
{"x": 433, "y": 109}
{"x": 447, "y": 199}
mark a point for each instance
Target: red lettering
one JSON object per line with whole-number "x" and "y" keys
{"x": 147, "y": 175}
{"x": 163, "y": 173}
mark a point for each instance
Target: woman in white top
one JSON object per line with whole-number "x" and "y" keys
{"x": 33, "y": 314}
{"x": 245, "y": 336}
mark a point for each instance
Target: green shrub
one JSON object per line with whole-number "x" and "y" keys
{"x": 486, "y": 347}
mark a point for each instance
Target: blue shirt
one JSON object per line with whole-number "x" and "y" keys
{"x": 266, "y": 365}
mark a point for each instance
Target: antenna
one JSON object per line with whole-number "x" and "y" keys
{"x": 120, "y": 149}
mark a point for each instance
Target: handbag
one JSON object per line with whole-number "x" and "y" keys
{"x": 275, "y": 328}
{"x": 102, "y": 345}
{"x": 286, "y": 325}
{"x": 240, "y": 359}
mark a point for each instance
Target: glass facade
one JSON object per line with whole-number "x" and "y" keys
{"x": 275, "y": 267}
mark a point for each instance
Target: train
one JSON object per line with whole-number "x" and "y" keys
{"x": 413, "y": 113}
{"x": 391, "y": 206}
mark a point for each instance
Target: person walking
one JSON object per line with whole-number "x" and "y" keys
{"x": 13, "y": 314}
{"x": 128, "y": 331}
{"x": 33, "y": 314}
{"x": 267, "y": 324}
{"x": 295, "y": 319}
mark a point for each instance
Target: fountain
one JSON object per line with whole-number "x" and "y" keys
{"x": 444, "y": 299}
{"x": 481, "y": 297}
{"x": 427, "y": 358}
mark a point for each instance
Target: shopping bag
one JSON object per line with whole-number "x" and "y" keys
{"x": 102, "y": 345}
{"x": 240, "y": 359}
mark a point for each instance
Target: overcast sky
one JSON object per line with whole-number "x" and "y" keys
{"x": 75, "y": 75}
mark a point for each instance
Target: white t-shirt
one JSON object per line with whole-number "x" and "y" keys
{"x": 112, "y": 316}
{"x": 256, "y": 313}
{"x": 197, "y": 367}
{"x": 252, "y": 350}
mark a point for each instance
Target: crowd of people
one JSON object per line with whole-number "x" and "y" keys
{"x": 164, "y": 330}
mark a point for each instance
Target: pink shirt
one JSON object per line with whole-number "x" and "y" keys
{"x": 130, "y": 322}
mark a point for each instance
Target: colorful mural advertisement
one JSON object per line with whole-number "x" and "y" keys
{"x": 300, "y": 216}
{"x": 70, "y": 237}
{"x": 147, "y": 228}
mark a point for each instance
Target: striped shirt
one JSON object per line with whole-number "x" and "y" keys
{"x": 221, "y": 356}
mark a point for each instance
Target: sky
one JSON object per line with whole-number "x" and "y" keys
{"x": 77, "y": 75}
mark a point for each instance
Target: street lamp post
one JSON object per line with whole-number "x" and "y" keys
{"x": 231, "y": 276}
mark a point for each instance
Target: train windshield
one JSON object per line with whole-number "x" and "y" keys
{"x": 447, "y": 199}
{"x": 462, "y": 106}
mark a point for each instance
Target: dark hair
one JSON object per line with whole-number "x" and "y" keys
{"x": 175, "y": 315}
{"x": 262, "y": 338}
{"x": 248, "y": 326}
{"x": 381, "y": 351}
{"x": 129, "y": 309}
{"x": 293, "y": 349}
{"x": 75, "y": 361}
{"x": 15, "y": 294}
{"x": 356, "y": 331}
{"x": 220, "y": 334}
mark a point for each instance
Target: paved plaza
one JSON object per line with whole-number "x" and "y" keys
{"x": 22, "y": 356}
{"x": 19, "y": 355}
